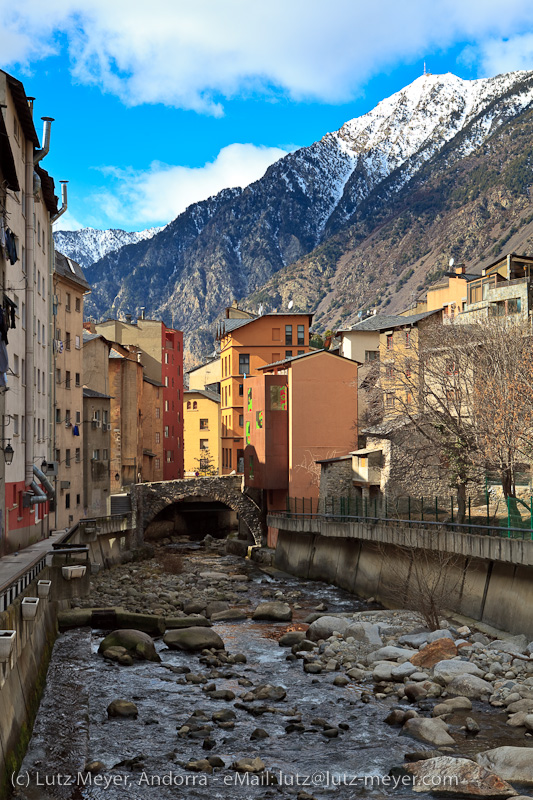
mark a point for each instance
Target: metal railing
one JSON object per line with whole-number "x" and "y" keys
{"x": 415, "y": 513}
{"x": 8, "y": 594}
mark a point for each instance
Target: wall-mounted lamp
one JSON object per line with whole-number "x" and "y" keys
{"x": 7, "y": 451}
{"x": 117, "y": 476}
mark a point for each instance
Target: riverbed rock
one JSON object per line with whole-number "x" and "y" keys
{"x": 414, "y": 639}
{"x": 401, "y": 671}
{"x": 268, "y": 692}
{"x": 191, "y": 621}
{"x": 390, "y": 653}
{"x": 195, "y": 606}
{"x": 326, "y": 626}
{"x": 274, "y": 611}
{"x": 512, "y": 644}
{"x": 231, "y": 615}
{"x": 434, "y": 652}
{"x": 457, "y": 777}
{"x": 442, "y": 633}
{"x": 445, "y": 671}
{"x": 290, "y": 638}
{"x": 193, "y": 639}
{"x": 364, "y": 632}
{"x": 511, "y": 763}
{"x": 118, "y": 654}
{"x": 214, "y": 606}
{"x": 202, "y": 765}
{"x": 452, "y": 704}
{"x": 122, "y": 708}
{"x": 137, "y": 643}
{"x": 383, "y": 671}
{"x": 248, "y": 765}
{"x": 470, "y": 686}
{"x": 213, "y": 576}
{"x": 432, "y": 731}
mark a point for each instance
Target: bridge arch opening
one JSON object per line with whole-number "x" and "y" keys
{"x": 192, "y": 518}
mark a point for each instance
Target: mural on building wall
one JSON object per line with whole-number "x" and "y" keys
{"x": 258, "y": 419}
{"x": 247, "y": 433}
{"x": 278, "y": 398}
{"x": 249, "y": 399}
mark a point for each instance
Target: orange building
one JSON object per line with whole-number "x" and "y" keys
{"x": 297, "y": 412}
{"x": 247, "y": 344}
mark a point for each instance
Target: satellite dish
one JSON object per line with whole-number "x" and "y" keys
{"x": 291, "y": 303}
{"x": 451, "y": 262}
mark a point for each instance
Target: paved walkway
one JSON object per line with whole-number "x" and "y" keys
{"x": 13, "y": 566}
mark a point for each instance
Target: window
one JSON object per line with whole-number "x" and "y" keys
{"x": 194, "y": 405}
{"x": 408, "y": 338}
{"x": 241, "y": 390}
{"x": 514, "y": 305}
{"x": 16, "y": 425}
{"x": 276, "y": 334}
{"x": 58, "y": 376}
{"x": 389, "y": 370}
{"x": 204, "y": 444}
{"x": 390, "y": 341}
{"x": 166, "y": 380}
{"x": 78, "y": 499}
{"x": 371, "y": 355}
{"x": 288, "y": 334}
{"x": 166, "y": 358}
{"x": 167, "y": 431}
{"x": 451, "y": 368}
{"x": 166, "y": 405}
{"x": 204, "y": 424}
{"x": 96, "y": 455}
{"x": 105, "y": 416}
{"x": 105, "y": 455}
{"x": 158, "y": 463}
{"x": 408, "y": 369}
{"x": 157, "y": 438}
{"x": 67, "y": 302}
{"x": 78, "y": 305}
{"x": 288, "y": 353}
{"x": 241, "y": 420}
{"x": 301, "y": 334}
{"x": 67, "y": 457}
{"x": 67, "y": 416}
{"x": 77, "y": 379}
{"x": 67, "y": 379}
{"x": 389, "y": 400}
{"x": 23, "y": 315}
{"x": 58, "y": 455}
{"x": 301, "y": 352}
{"x": 58, "y": 415}
{"x": 169, "y": 456}
{"x": 77, "y": 455}
{"x": 67, "y": 500}
{"x": 67, "y": 340}
{"x": 188, "y": 405}
{"x": 78, "y": 417}
{"x": 78, "y": 343}
{"x": 244, "y": 364}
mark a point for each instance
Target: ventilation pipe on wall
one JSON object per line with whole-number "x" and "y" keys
{"x": 64, "y": 201}
{"x": 39, "y": 496}
{"x": 40, "y": 154}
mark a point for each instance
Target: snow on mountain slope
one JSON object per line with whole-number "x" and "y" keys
{"x": 89, "y": 244}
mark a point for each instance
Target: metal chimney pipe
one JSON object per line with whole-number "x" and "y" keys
{"x": 40, "y": 154}
{"x": 64, "y": 201}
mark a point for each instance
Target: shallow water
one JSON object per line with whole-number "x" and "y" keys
{"x": 72, "y": 727}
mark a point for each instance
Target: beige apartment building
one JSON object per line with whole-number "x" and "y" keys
{"x": 69, "y": 427}
{"x": 26, "y": 215}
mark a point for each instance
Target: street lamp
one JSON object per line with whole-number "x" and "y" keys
{"x": 8, "y": 451}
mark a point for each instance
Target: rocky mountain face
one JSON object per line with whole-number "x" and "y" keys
{"x": 90, "y": 244}
{"x": 367, "y": 216}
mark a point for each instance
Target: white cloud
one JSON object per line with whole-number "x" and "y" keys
{"x": 68, "y": 223}
{"x": 504, "y": 55}
{"x": 194, "y": 55}
{"x": 159, "y": 194}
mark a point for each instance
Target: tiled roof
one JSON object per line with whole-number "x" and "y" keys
{"x": 93, "y": 393}
{"x": 227, "y": 325}
{"x": 205, "y": 392}
{"x": 383, "y": 321}
{"x": 290, "y": 359}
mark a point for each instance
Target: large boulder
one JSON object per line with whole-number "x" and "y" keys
{"x": 433, "y": 652}
{"x": 231, "y": 615}
{"x": 512, "y": 644}
{"x": 137, "y": 643}
{"x": 445, "y": 671}
{"x": 364, "y": 632}
{"x": 191, "y": 621}
{"x": 326, "y": 626}
{"x": 457, "y": 777}
{"x": 414, "y": 639}
{"x": 432, "y": 731}
{"x": 193, "y": 639}
{"x": 390, "y": 653}
{"x": 275, "y": 611}
{"x": 470, "y": 686}
{"x": 122, "y": 708}
{"x": 511, "y": 763}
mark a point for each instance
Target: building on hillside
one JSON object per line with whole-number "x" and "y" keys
{"x": 206, "y": 376}
{"x": 69, "y": 288}
{"x": 161, "y": 351}
{"x": 297, "y": 411}
{"x": 502, "y": 290}
{"x": 28, "y": 208}
{"x": 201, "y": 433}
{"x": 96, "y": 440}
{"x": 246, "y": 345}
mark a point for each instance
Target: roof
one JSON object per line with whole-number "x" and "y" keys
{"x": 93, "y": 393}
{"x": 205, "y": 393}
{"x": 383, "y": 321}
{"x": 88, "y": 336}
{"x": 149, "y": 453}
{"x": 337, "y": 458}
{"x": 48, "y": 189}
{"x": 366, "y": 450}
{"x": 115, "y": 354}
{"x": 7, "y": 162}
{"x": 23, "y": 109}
{"x": 151, "y": 380}
{"x": 499, "y": 260}
{"x": 227, "y": 325}
{"x": 70, "y": 269}
{"x": 290, "y": 359}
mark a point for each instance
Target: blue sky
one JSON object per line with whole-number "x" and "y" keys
{"x": 161, "y": 104}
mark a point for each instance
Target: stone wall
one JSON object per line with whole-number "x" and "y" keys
{"x": 336, "y": 480}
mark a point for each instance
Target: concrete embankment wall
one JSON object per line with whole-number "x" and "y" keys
{"x": 494, "y": 581}
{"x": 23, "y": 676}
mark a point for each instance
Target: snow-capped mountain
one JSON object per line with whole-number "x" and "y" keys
{"x": 231, "y": 245}
{"x": 88, "y": 245}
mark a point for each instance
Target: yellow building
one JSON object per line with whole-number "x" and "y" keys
{"x": 206, "y": 376}
{"x": 201, "y": 432}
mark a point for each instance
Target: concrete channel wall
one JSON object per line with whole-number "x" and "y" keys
{"x": 495, "y": 584}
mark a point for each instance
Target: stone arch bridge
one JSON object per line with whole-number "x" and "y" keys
{"x": 149, "y": 499}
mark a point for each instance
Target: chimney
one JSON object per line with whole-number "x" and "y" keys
{"x": 460, "y": 269}
{"x": 128, "y": 318}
